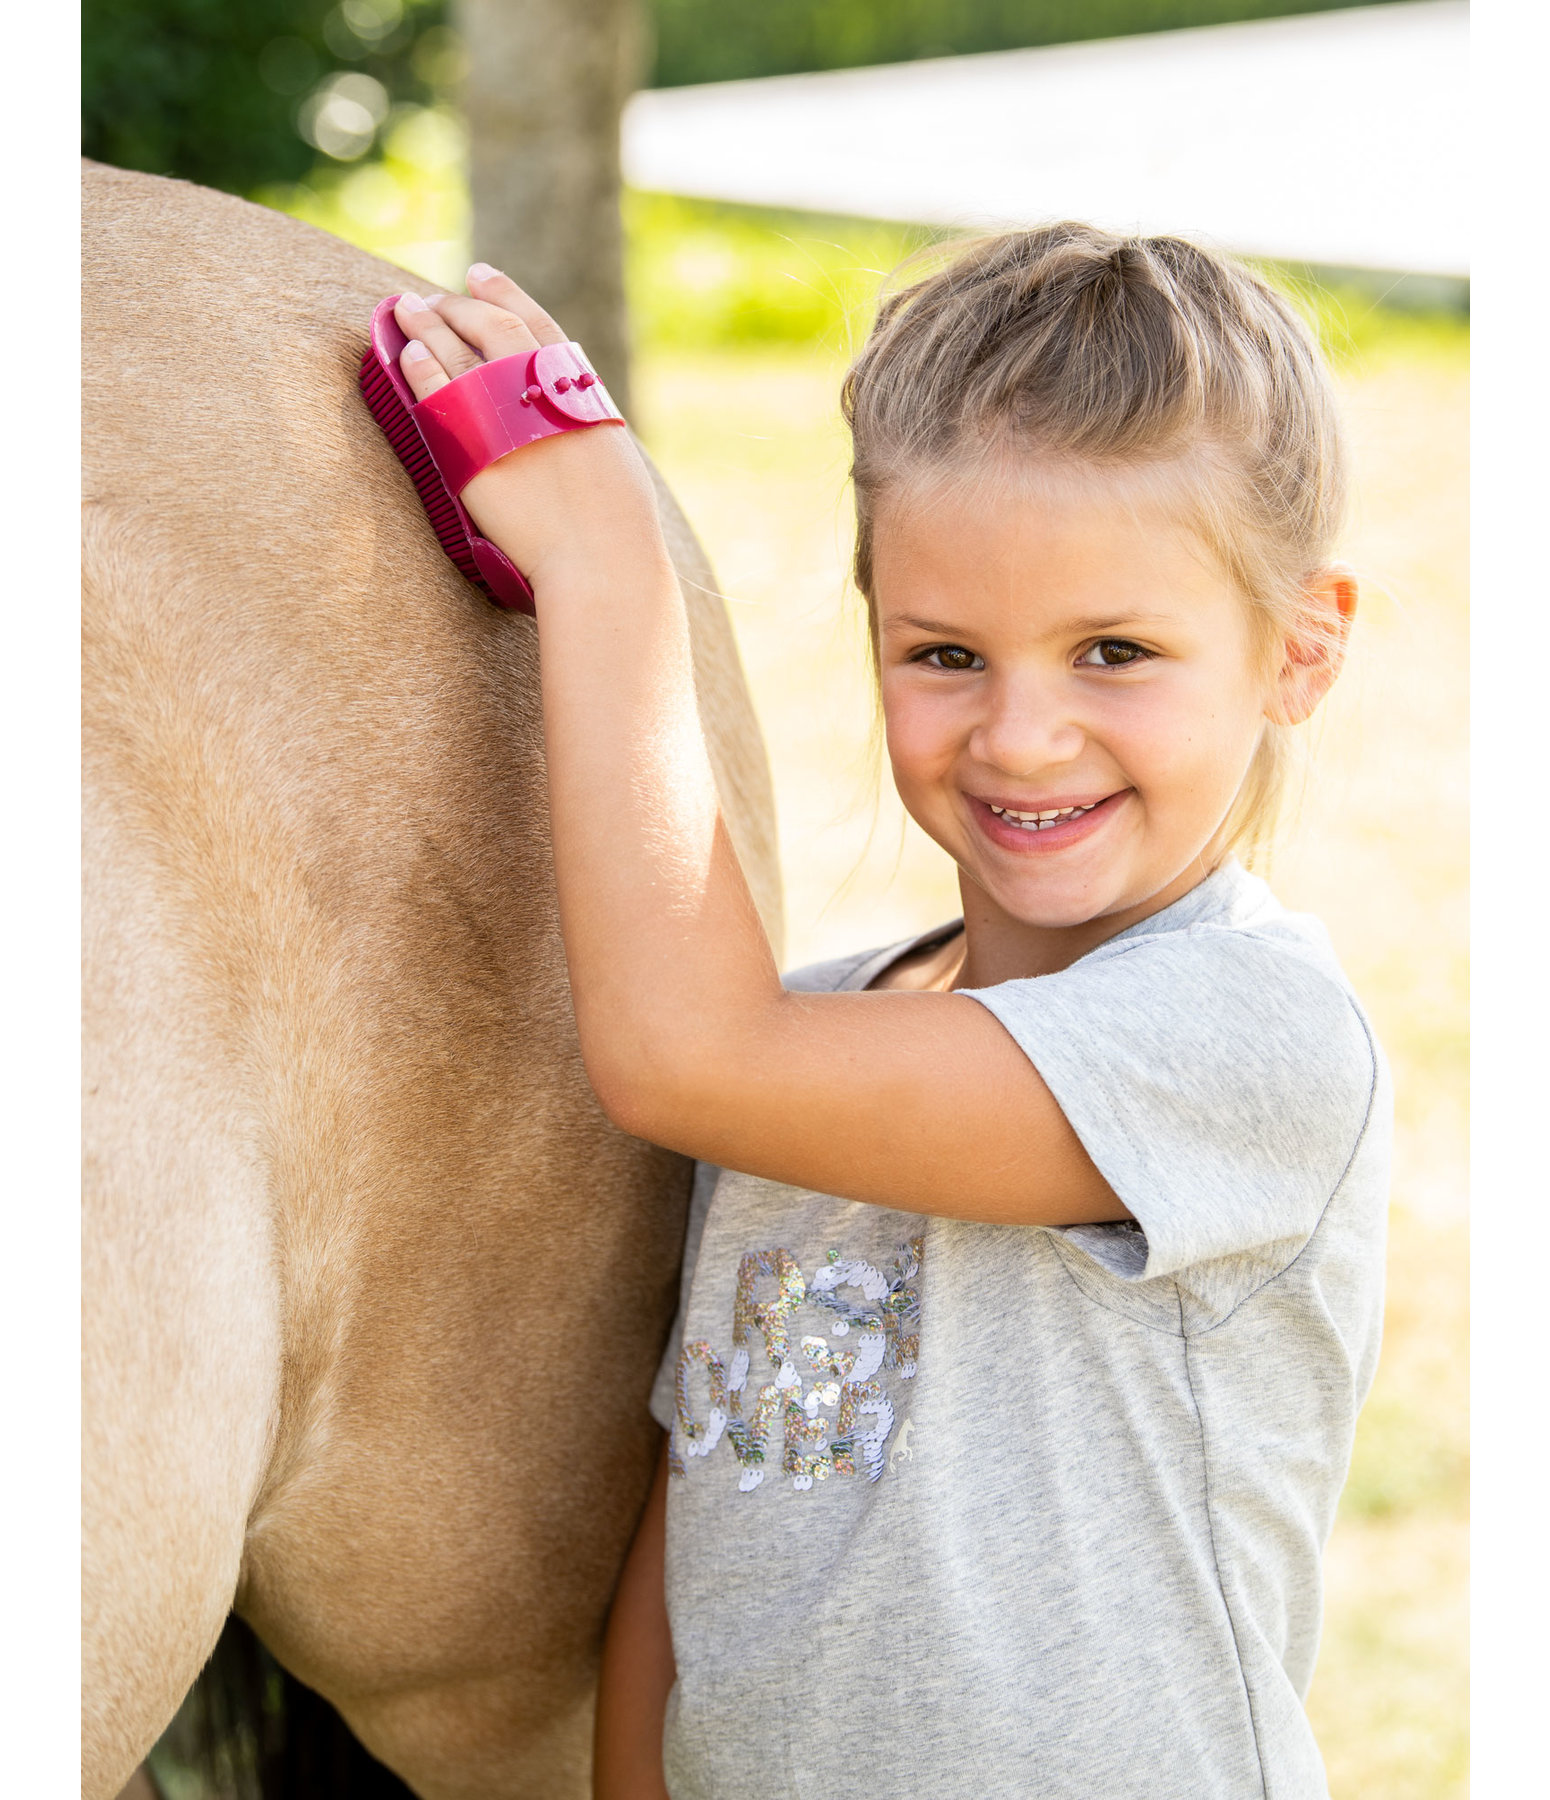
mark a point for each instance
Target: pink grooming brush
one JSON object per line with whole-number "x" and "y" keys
{"x": 446, "y": 439}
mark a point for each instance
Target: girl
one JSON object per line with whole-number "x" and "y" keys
{"x": 1034, "y": 1271}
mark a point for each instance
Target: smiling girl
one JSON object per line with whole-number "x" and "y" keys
{"x": 1034, "y": 1271}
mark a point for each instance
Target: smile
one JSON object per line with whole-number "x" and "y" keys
{"x": 1040, "y": 821}
{"x": 1045, "y": 828}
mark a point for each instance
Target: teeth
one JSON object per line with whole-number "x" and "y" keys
{"x": 1040, "y": 821}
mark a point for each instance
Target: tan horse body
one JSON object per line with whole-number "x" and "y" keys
{"x": 373, "y": 1291}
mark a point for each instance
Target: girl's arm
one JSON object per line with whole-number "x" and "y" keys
{"x": 637, "y": 1674}
{"x": 919, "y": 1101}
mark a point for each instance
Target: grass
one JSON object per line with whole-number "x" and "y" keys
{"x": 743, "y": 321}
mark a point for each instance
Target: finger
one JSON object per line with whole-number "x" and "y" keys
{"x": 421, "y": 369}
{"x": 419, "y": 320}
{"x": 492, "y": 330}
{"x": 485, "y": 283}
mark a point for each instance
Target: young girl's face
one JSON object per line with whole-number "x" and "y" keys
{"x": 1066, "y": 649}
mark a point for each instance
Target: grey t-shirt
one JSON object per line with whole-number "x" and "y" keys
{"x": 965, "y": 1512}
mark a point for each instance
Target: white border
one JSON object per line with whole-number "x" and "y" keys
{"x": 39, "y": 741}
{"x": 1511, "y": 710}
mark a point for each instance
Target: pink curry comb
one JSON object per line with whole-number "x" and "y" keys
{"x": 445, "y": 440}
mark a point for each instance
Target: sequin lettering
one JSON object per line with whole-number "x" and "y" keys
{"x": 698, "y": 1437}
{"x": 829, "y": 1387}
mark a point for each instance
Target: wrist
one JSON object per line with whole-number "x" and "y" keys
{"x": 572, "y": 509}
{"x": 629, "y": 582}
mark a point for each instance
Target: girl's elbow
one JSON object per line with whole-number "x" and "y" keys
{"x": 672, "y": 1082}
{"x": 626, "y": 1105}
{"x": 637, "y": 1095}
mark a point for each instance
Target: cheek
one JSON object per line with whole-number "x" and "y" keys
{"x": 923, "y": 731}
{"x": 1184, "y": 737}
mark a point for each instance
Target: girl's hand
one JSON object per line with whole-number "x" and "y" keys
{"x": 583, "y": 496}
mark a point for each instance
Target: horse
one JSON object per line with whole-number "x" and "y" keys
{"x": 373, "y": 1293}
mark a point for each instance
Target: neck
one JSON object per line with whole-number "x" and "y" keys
{"x": 998, "y": 947}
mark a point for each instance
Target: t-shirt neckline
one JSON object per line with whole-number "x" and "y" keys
{"x": 1214, "y": 894}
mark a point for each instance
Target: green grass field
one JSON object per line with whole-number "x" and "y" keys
{"x": 743, "y": 321}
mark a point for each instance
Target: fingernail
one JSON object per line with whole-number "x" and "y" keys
{"x": 415, "y": 352}
{"x": 412, "y": 303}
{"x": 481, "y": 272}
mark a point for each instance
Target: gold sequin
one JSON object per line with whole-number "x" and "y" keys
{"x": 748, "y": 1436}
{"x": 805, "y": 1439}
{"x": 692, "y": 1431}
{"x": 828, "y": 1362}
{"x": 770, "y": 1317}
{"x": 901, "y": 1309}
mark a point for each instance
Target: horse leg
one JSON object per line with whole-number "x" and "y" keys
{"x": 180, "y": 1355}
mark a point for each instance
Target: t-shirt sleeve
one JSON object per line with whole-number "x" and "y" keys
{"x": 1220, "y": 1082}
{"x": 663, "y": 1392}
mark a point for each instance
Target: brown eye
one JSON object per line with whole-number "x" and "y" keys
{"x": 1113, "y": 653}
{"x": 952, "y": 656}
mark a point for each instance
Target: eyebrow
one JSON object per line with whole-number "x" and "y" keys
{"x": 1089, "y": 627}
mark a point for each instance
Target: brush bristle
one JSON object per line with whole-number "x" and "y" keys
{"x": 401, "y": 432}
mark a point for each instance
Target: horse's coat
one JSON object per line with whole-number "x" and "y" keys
{"x": 373, "y": 1291}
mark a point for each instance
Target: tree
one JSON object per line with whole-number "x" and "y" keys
{"x": 237, "y": 94}
{"x": 546, "y": 82}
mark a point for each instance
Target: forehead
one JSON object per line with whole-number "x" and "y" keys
{"x": 1039, "y": 546}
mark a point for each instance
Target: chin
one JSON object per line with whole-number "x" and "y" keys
{"x": 1055, "y": 914}
{"x": 1063, "y": 899}
{"x": 1055, "y": 905}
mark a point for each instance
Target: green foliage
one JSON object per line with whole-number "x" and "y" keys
{"x": 702, "y": 272}
{"x": 408, "y": 203}
{"x": 1360, "y": 317}
{"x": 712, "y": 40}
{"x": 236, "y": 93}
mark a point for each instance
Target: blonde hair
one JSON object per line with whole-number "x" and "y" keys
{"x": 1073, "y": 344}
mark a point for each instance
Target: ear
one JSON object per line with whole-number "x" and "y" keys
{"x": 1313, "y": 652}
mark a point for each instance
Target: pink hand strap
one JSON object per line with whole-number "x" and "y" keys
{"x": 500, "y": 406}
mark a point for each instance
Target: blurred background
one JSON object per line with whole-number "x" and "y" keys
{"x": 709, "y": 193}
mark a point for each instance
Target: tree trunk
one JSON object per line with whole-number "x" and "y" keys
{"x": 546, "y": 82}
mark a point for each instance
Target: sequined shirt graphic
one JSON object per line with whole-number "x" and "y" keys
{"x": 827, "y": 1393}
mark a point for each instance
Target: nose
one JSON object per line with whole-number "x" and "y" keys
{"x": 1028, "y": 726}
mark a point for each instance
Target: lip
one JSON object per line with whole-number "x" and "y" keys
{"x": 1052, "y": 837}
